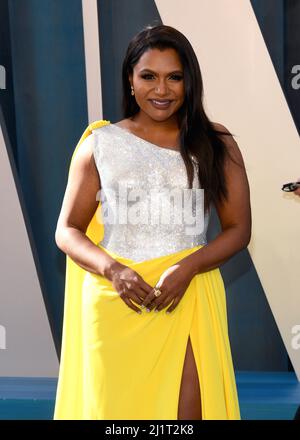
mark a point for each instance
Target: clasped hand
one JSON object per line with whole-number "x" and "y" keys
{"x": 132, "y": 288}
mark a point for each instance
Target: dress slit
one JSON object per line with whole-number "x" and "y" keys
{"x": 181, "y": 364}
{"x": 197, "y": 360}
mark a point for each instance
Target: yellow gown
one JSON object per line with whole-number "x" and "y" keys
{"x": 117, "y": 364}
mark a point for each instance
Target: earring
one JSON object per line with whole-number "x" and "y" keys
{"x": 132, "y": 90}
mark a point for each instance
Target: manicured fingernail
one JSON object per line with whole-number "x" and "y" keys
{"x": 142, "y": 306}
{"x": 156, "y": 310}
{"x": 139, "y": 311}
{"x": 148, "y": 310}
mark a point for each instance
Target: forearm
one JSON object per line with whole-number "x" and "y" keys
{"x": 84, "y": 252}
{"x": 218, "y": 251}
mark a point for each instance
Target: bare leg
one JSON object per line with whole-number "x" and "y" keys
{"x": 189, "y": 406}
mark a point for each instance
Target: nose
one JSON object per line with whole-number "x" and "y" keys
{"x": 162, "y": 88}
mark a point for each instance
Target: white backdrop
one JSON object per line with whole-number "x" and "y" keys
{"x": 26, "y": 344}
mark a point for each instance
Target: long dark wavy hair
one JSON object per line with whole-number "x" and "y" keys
{"x": 198, "y": 137}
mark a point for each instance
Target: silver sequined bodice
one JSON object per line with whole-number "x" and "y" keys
{"x": 137, "y": 178}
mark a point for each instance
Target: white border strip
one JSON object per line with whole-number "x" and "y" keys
{"x": 92, "y": 59}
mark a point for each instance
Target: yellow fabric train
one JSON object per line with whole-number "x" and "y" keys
{"x": 117, "y": 364}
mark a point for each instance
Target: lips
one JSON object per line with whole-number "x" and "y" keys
{"x": 160, "y": 103}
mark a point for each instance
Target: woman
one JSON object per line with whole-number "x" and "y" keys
{"x": 118, "y": 362}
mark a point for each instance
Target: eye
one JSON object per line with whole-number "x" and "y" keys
{"x": 177, "y": 77}
{"x": 146, "y": 75}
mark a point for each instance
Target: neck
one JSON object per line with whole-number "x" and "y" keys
{"x": 143, "y": 122}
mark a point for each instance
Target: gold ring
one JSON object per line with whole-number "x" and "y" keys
{"x": 157, "y": 292}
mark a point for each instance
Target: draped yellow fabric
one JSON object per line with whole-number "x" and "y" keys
{"x": 117, "y": 364}
{"x": 71, "y": 348}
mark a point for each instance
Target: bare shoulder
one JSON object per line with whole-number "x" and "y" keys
{"x": 83, "y": 160}
{"x": 229, "y": 141}
{"x": 86, "y": 148}
{"x": 223, "y": 132}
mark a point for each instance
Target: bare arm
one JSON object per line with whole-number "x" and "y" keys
{"x": 78, "y": 207}
{"x": 234, "y": 214}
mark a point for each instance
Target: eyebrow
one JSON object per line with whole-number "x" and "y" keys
{"x": 152, "y": 71}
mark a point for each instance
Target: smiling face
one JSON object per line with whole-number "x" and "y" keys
{"x": 158, "y": 83}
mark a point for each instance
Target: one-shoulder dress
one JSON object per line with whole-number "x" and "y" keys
{"x": 117, "y": 364}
